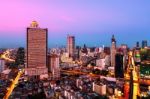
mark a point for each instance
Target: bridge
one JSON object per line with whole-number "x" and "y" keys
{"x": 144, "y": 81}
{"x": 74, "y": 72}
{"x": 89, "y": 60}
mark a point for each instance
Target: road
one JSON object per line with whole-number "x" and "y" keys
{"x": 141, "y": 80}
{"x": 79, "y": 72}
{"x": 6, "y": 55}
{"x": 14, "y": 83}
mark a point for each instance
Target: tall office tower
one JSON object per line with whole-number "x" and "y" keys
{"x": 137, "y": 44}
{"x": 70, "y": 45}
{"x": 113, "y": 51}
{"x": 78, "y": 48}
{"x": 54, "y": 66}
{"x": 144, "y": 43}
{"x": 36, "y": 50}
{"x": 124, "y": 49}
{"x": 119, "y": 71}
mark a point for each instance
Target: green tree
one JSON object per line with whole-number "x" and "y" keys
{"x": 20, "y": 56}
{"x": 11, "y": 65}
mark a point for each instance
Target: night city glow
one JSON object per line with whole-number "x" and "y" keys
{"x": 73, "y": 49}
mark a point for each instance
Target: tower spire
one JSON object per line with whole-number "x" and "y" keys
{"x": 113, "y": 39}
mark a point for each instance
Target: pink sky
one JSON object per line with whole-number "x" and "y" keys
{"x": 76, "y": 17}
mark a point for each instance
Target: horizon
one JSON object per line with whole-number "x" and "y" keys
{"x": 92, "y": 23}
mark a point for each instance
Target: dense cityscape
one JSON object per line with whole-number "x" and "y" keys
{"x": 74, "y": 72}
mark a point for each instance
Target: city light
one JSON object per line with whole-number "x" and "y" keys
{"x": 74, "y": 49}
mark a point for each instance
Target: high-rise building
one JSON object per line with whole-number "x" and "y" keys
{"x": 124, "y": 49}
{"x": 113, "y": 51}
{"x": 137, "y": 44}
{"x": 70, "y": 45}
{"x": 36, "y": 50}
{"x": 54, "y": 66}
{"x": 144, "y": 43}
{"x": 78, "y": 48}
{"x": 119, "y": 71}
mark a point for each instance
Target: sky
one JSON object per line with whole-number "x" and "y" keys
{"x": 92, "y": 22}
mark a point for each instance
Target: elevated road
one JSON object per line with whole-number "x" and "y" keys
{"x": 74, "y": 72}
{"x": 14, "y": 83}
{"x": 6, "y": 56}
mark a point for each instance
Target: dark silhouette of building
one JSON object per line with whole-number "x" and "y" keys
{"x": 119, "y": 72}
{"x": 137, "y": 44}
{"x": 78, "y": 48}
{"x": 131, "y": 86}
{"x": 144, "y": 43}
{"x": 84, "y": 49}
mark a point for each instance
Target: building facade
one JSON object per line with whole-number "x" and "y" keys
{"x": 70, "y": 45}
{"x": 113, "y": 51}
{"x": 144, "y": 43}
{"x": 100, "y": 63}
{"x": 54, "y": 66}
{"x": 36, "y": 50}
{"x": 99, "y": 88}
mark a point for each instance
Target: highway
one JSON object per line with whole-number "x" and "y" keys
{"x": 14, "y": 83}
{"x": 6, "y": 56}
{"x": 79, "y": 72}
{"x": 72, "y": 72}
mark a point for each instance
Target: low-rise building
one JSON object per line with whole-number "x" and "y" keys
{"x": 99, "y": 88}
{"x": 2, "y": 65}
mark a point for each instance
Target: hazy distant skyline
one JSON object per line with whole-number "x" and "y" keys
{"x": 91, "y": 21}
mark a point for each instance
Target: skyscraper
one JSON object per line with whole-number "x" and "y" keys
{"x": 36, "y": 50}
{"x": 78, "y": 48}
{"x": 144, "y": 43}
{"x": 137, "y": 44}
{"x": 54, "y": 67}
{"x": 119, "y": 72}
{"x": 113, "y": 51}
{"x": 70, "y": 45}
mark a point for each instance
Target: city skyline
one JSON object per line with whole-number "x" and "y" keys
{"x": 92, "y": 23}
